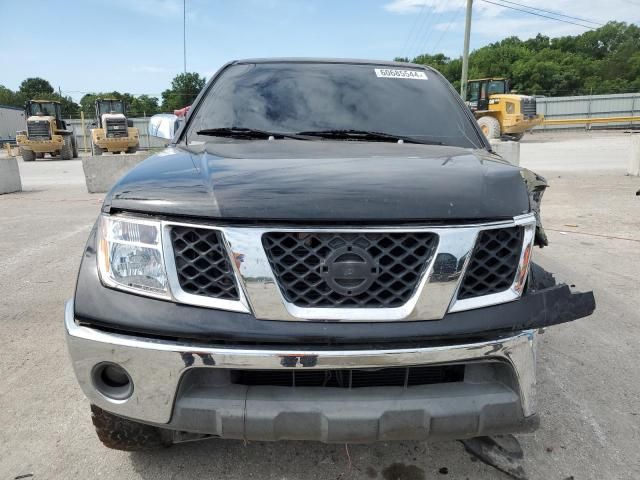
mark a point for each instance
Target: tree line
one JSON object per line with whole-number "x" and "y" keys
{"x": 600, "y": 61}
{"x": 183, "y": 91}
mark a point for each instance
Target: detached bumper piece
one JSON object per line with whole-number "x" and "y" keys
{"x": 458, "y": 390}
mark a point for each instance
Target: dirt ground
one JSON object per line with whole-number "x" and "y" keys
{"x": 588, "y": 374}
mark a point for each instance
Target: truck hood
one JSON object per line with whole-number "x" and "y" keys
{"x": 323, "y": 181}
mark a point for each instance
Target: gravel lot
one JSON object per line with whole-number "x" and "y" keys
{"x": 588, "y": 375}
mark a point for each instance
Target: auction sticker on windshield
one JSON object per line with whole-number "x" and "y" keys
{"x": 398, "y": 73}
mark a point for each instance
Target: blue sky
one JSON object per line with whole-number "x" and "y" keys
{"x": 136, "y": 45}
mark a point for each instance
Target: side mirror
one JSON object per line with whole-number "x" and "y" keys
{"x": 163, "y": 125}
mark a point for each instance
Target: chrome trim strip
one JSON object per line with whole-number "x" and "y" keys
{"x": 260, "y": 293}
{"x": 515, "y": 290}
{"x": 156, "y": 366}
{"x": 179, "y": 294}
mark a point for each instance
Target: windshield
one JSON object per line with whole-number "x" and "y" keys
{"x": 496, "y": 86}
{"x": 42, "y": 109}
{"x": 110, "y": 106}
{"x": 311, "y": 97}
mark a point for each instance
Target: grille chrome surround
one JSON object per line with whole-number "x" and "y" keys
{"x": 303, "y": 262}
{"x": 435, "y": 295}
{"x": 494, "y": 262}
{"x": 38, "y": 130}
{"x": 202, "y": 263}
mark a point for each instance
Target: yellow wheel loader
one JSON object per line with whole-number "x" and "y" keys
{"x": 113, "y": 131}
{"x": 499, "y": 113}
{"x": 46, "y": 132}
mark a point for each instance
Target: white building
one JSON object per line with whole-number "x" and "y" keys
{"x": 11, "y": 120}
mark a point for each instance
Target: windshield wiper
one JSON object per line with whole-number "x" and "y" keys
{"x": 365, "y": 135}
{"x": 248, "y": 133}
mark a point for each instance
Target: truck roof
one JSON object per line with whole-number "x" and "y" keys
{"x": 331, "y": 60}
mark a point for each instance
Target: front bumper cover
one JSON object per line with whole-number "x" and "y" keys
{"x": 478, "y": 406}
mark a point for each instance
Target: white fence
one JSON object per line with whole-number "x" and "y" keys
{"x": 84, "y": 138}
{"x": 590, "y": 106}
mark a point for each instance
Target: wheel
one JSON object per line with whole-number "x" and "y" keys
{"x": 123, "y": 434}
{"x": 27, "y": 155}
{"x": 66, "y": 153}
{"x": 74, "y": 143}
{"x": 133, "y": 149}
{"x": 97, "y": 150}
{"x": 40, "y": 155}
{"x": 490, "y": 126}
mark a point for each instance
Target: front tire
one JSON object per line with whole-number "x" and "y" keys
{"x": 66, "y": 153}
{"x": 74, "y": 144}
{"x": 490, "y": 126}
{"x": 97, "y": 150}
{"x": 27, "y": 155}
{"x": 133, "y": 149}
{"x": 123, "y": 434}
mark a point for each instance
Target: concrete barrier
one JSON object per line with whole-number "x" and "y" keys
{"x": 508, "y": 150}
{"x": 634, "y": 156}
{"x": 9, "y": 176}
{"x": 101, "y": 172}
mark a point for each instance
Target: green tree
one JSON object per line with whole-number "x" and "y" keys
{"x": 8, "y": 97}
{"x": 35, "y": 87}
{"x": 604, "y": 60}
{"x": 184, "y": 90}
{"x": 144, "y": 105}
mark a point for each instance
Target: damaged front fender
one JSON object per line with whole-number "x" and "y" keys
{"x": 536, "y": 185}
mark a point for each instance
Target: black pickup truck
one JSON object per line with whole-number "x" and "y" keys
{"x": 327, "y": 250}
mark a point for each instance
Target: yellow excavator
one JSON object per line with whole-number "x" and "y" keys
{"x": 500, "y": 113}
{"x": 46, "y": 132}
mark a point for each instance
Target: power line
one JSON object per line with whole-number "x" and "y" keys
{"x": 537, "y": 14}
{"x": 418, "y": 34}
{"x": 413, "y": 26}
{"x": 552, "y": 12}
{"x": 434, "y": 23}
{"x": 454, "y": 18}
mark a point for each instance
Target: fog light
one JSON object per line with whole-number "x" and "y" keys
{"x": 112, "y": 381}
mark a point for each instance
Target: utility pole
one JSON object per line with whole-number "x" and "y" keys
{"x": 465, "y": 52}
{"x": 184, "y": 32}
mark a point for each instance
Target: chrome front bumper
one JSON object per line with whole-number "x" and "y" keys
{"x": 156, "y": 368}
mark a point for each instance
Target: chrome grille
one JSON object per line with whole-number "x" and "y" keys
{"x": 494, "y": 262}
{"x": 345, "y": 270}
{"x": 202, "y": 263}
{"x": 528, "y": 106}
{"x": 38, "y": 130}
{"x": 116, "y": 127}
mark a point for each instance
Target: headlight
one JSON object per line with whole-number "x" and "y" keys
{"x": 130, "y": 255}
{"x": 511, "y": 108}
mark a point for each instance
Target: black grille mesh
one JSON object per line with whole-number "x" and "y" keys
{"x": 351, "y": 378}
{"x": 494, "y": 262}
{"x": 116, "y": 128}
{"x": 202, "y": 263}
{"x": 38, "y": 129}
{"x": 298, "y": 257}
